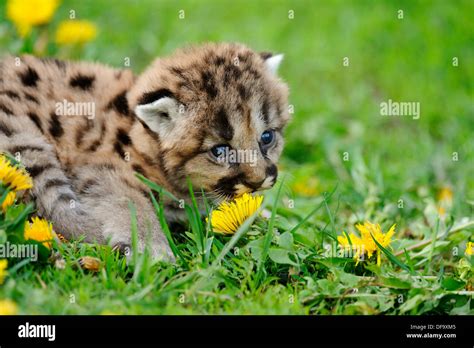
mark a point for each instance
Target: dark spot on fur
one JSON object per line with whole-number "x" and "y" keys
{"x": 82, "y": 82}
{"x": 209, "y": 84}
{"x": 243, "y": 92}
{"x": 79, "y": 136}
{"x": 146, "y": 194}
{"x": 87, "y": 185}
{"x": 150, "y": 97}
{"x": 183, "y": 84}
{"x": 95, "y": 145}
{"x": 5, "y": 129}
{"x": 29, "y": 77}
{"x": 55, "y": 183}
{"x": 31, "y": 98}
{"x": 23, "y": 148}
{"x": 105, "y": 166}
{"x": 266, "y": 55}
{"x": 139, "y": 169}
{"x": 219, "y": 60}
{"x": 81, "y": 132}
{"x": 66, "y": 197}
{"x": 265, "y": 110}
{"x": 6, "y": 110}
{"x": 185, "y": 157}
{"x": 147, "y": 129}
{"x": 231, "y": 73}
{"x": 224, "y": 128}
{"x": 36, "y": 170}
{"x": 55, "y": 127}
{"x": 177, "y": 71}
{"x": 118, "y": 148}
{"x": 180, "y": 74}
{"x": 235, "y": 72}
{"x": 36, "y": 120}
{"x": 120, "y": 104}
{"x": 11, "y": 94}
{"x": 253, "y": 73}
{"x": 278, "y": 109}
{"x": 226, "y": 185}
{"x": 123, "y": 137}
{"x": 243, "y": 58}
{"x": 48, "y": 60}
{"x": 149, "y": 160}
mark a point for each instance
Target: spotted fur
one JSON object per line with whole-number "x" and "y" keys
{"x": 162, "y": 124}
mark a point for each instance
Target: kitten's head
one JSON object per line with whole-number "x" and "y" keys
{"x": 219, "y": 111}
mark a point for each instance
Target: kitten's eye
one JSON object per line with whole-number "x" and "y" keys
{"x": 267, "y": 137}
{"x": 219, "y": 151}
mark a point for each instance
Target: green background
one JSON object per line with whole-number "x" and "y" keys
{"x": 336, "y": 111}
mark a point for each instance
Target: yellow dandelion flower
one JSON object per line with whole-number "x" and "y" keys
{"x": 445, "y": 200}
{"x": 9, "y": 200}
{"x": 8, "y": 307}
{"x": 27, "y": 13}
{"x": 441, "y": 211}
{"x": 3, "y": 270}
{"x": 365, "y": 243}
{"x": 39, "y": 230}
{"x": 228, "y": 217}
{"x": 307, "y": 188}
{"x": 75, "y": 31}
{"x": 15, "y": 178}
{"x": 469, "y": 248}
{"x": 355, "y": 244}
{"x": 445, "y": 194}
{"x": 367, "y": 230}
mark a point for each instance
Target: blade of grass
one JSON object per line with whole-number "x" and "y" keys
{"x": 448, "y": 231}
{"x": 269, "y": 235}
{"x": 20, "y": 218}
{"x": 432, "y": 247}
{"x": 236, "y": 237}
{"x": 4, "y": 195}
{"x": 409, "y": 260}
{"x": 156, "y": 187}
{"x": 195, "y": 219}
{"x": 314, "y": 211}
{"x": 134, "y": 230}
{"x": 19, "y": 265}
{"x": 391, "y": 257}
{"x": 164, "y": 226}
{"x": 205, "y": 274}
{"x": 331, "y": 219}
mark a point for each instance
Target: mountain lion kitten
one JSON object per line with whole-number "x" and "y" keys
{"x": 83, "y": 130}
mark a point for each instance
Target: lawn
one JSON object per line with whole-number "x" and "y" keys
{"x": 344, "y": 163}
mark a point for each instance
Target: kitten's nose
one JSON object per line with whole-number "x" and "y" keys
{"x": 271, "y": 174}
{"x": 272, "y": 170}
{"x": 255, "y": 186}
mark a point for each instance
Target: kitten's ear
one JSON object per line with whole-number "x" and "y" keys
{"x": 158, "y": 114}
{"x": 272, "y": 62}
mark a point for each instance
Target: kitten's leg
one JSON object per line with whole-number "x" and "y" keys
{"x": 52, "y": 191}
{"x": 107, "y": 192}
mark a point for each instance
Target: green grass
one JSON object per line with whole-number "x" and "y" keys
{"x": 287, "y": 264}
